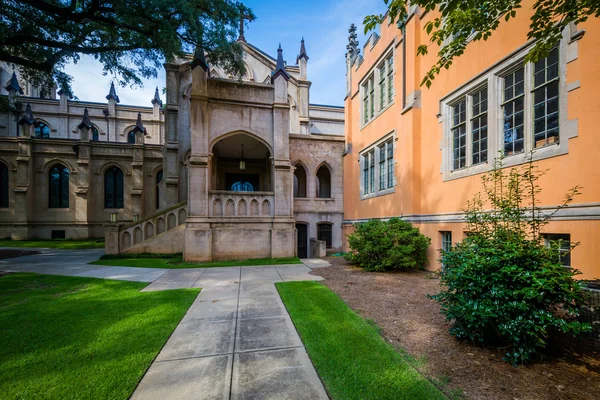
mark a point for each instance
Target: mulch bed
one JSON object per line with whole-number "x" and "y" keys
{"x": 5, "y": 253}
{"x": 397, "y": 302}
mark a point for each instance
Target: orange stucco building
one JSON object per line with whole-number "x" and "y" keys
{"x": 419, "y": 153}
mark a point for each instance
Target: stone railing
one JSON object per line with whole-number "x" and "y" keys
{"x": 225, "y": 203}
{"x": 119, "y": 238}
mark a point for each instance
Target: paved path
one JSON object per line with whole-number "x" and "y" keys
{"x": 236, "y": 341}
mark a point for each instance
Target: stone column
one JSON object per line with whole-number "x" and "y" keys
{"x": 24, "y": 192}
{"x": 170, "y": 182}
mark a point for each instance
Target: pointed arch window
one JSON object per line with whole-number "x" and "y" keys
{"x": 95, "y": 134}
{"x": 323, "y": 183}
{"x": 159, "y": 177}
{"x": 3, "y": 185}
{"x": 113, "y": 188}
{"x": 58, "y": 187}
{"x": 300, "y": 182}
{"x": 42, "y": 130}
{"x": 131, "y": 137}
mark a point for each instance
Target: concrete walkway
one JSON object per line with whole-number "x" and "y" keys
{"x": 236, "y": 341}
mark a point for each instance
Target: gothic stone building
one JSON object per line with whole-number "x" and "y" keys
{"x": 225, "y": 168}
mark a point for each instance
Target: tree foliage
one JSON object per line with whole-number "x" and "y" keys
{"x": 131, "y": 38}
{"x": 394, "y": 244}
{"x": 463, "y": 21}
{"x": 502, "y": 285}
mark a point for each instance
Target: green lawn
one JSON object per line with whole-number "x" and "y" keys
{"x": 175, "y": 262}
{"x": 55, "y": 244}
{"x": 81, "y": 338}
{"x": 351, "y": 357}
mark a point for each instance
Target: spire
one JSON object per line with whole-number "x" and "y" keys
{"x": 85, "y": 121}
{"x": 280, "y": 66}
{"x": 27, "y": 117}
{"x": 139, "y": 127}
{"x": 352, "y": 47}
{"x": 302, "y": 51}
{"x": 112, "y": 93}
{"x": 156, "y": 99}
{"x": 13, "y": 84}
{"x": 199, "y": 59}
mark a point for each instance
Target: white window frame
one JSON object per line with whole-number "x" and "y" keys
{"x": 374, "y": 149}
{"x": 493, "y": 79}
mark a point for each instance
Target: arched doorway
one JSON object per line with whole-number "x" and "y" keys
{"x": 241, "y": 163}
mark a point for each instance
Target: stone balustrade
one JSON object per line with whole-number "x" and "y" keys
{"x": 119, "y": 238}
{"x": 225, "y": 203}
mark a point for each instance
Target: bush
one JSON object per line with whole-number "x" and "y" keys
{"x": 380, "y": 246}
{"x": 502, "y": 285}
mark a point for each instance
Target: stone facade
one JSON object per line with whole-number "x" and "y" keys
{"x": 186, "y": 155}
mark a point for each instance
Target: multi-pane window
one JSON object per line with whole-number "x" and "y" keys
{"x": 324, "y": 233}
{"x": 378, "y": 90}
{"x": 378, "y": 166}
{"x": 41, "y": 130}
{"x": 512, "y": 107}
{"x": 564, "y": 247}
{"x": 131, "y": 137}
{"x": 382, "y": 77}
{"x": 459, "y": 135}
{"x": 545, "y": 100}
{"x": 371, "y": 97}
{"x": 95, "y": 136}
{"x": 58, "y": 187}
{"x": 113, "y": 188}
{"x": 446, "y": 242}
{"x": 479, "y": 125}
{"x": 390, "y": 79}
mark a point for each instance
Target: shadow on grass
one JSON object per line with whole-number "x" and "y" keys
{"x": 69, "y": 337}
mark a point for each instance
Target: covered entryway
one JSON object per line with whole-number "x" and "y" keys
{"x": 302, "y": 234}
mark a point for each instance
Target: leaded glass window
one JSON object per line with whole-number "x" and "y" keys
{"x": 95, "y": 135}
{"x": 479, "y": 126}
{"x": 58, "y": 187}
{"x": 113, "y": 188}
{"x": 366, "y": 102}
{"x": 42, "y": 130}
{"x": 371, "y": 97}
{"x": 242, "y": 186}
{"x": 390, "y": 79}
{"x": 459, "y": 135}
{"x": 545, "y": 100}
{"x": 382, "y": 96}
{"x": 131, "y": 137}
{"x": 390, "y": 164}
{"x": 382, "y": 165}
{"x": 514, "y": 94}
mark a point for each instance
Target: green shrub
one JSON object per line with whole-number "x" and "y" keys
{"x": 502, "y": 285}
{"x": 380, "y": 246}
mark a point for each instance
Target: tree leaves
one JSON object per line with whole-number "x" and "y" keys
{"x": 131, "y": 38}
{"x": 466, "y": 21}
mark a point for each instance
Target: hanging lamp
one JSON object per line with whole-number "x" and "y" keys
{"x": 242, "y": 161}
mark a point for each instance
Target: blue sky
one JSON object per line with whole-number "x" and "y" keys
{"x": 323, "y": 24}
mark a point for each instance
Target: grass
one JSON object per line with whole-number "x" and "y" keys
{"x": 349, "y": 354}
{"x": 171, "y": 261}
{"x": 81, "y": 338}
{"x": 55, "y": 244}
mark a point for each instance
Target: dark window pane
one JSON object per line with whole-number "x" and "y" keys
{"x": 3, "y": 185}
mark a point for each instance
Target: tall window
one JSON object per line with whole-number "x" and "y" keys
{"x": 545, "y": 100}
{"x": 58, "y": 187}
{"x": 3, "y": 185}
{"x": 390, "y": 79}
{"x": 459, "y": 135}
{"x": 386, "y": 165}
{"x": 371, "y": 97}
{"x": 446, "y": 241}
{"x": 514, "y": 99}
{"x": 479, "y": 122}
{"x": 159, "y": 177}
{"x": 365, "y": 102}
{"x": 382, "y": 77}
{"x": 95, "y": 136}
{"x": 113, "y": 188}
{"x": 367, "y": 159}
{"x": 300, "y": 182}
{"x": 323, "y": 183}
{"x": 324, "y": 233}
{"x": 42, "y": 130}
{"x": 131, "y": 137}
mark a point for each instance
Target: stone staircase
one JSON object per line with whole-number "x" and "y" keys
{"x": 161, "y": 232}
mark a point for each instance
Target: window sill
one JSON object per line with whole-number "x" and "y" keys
{"x": 302, "y": 198}
{"x": 324, "y": 198}
{"x": 378, "y": 194}
{"x": 383, "y": 110}
{"x": 58, "y": 209}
